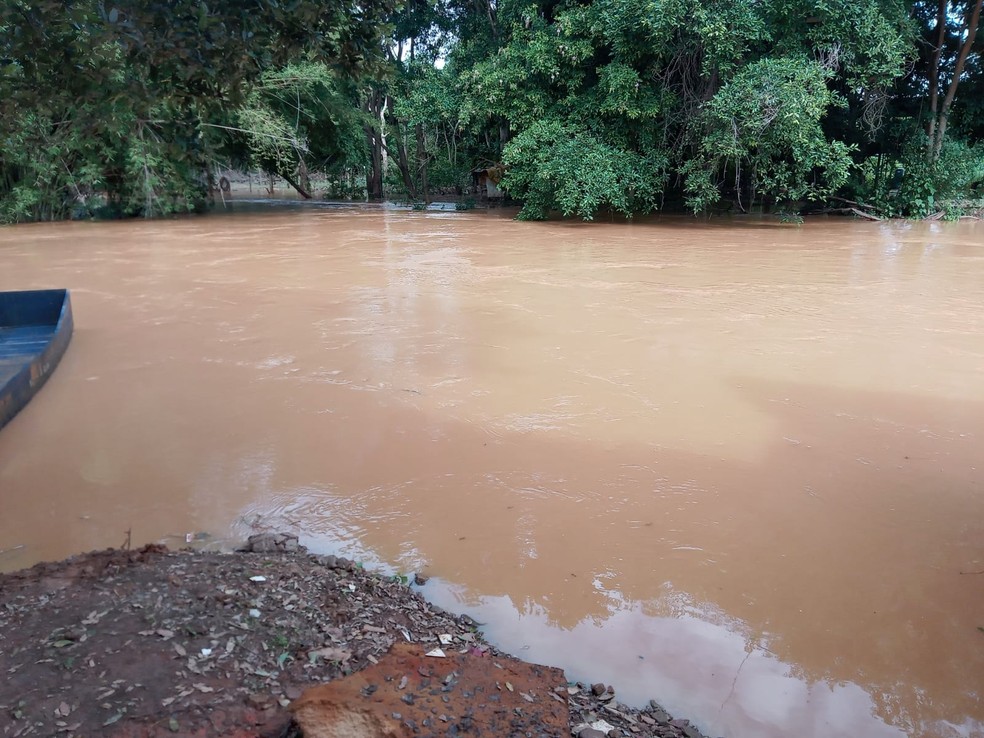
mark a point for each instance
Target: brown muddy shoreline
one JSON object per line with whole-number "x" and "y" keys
{"x": 157, "y": 642}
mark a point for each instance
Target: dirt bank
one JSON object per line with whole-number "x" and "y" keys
{"x": 158, "y": 642}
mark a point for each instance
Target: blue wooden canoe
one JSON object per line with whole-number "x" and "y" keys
{"x": 35, "y": 328}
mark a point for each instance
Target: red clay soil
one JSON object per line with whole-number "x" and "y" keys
{"x": 412, "y": 694}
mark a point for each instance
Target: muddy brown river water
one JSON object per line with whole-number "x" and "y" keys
{"x": 736, "y": 466}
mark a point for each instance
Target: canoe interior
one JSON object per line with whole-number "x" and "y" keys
{"x": 31, "y": 308}
{"x": 18, "y": 344}
{"x": 35, "y": 328}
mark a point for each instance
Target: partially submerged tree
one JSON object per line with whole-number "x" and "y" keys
{"x": 299, "y": 118}
{"x": 762, "y": 130}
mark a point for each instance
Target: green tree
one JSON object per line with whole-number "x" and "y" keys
{"x": 763, "y": 127}
{"x": 659, "y": 82}
{"x": 952, "y": 45}
{"x": 590, "y": 105}
{"x": 551, "y": 166}
{"x": 125, "y": 99}
{"x": 299, "y": 119}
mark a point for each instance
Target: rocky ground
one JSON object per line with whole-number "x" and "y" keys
{"x": 269, "y": 642}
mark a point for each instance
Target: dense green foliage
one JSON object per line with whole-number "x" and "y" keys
{"x": 585, "y": 107}
{"x": 134, "y": 101}
{"x": 766, "y": 120}
{"x": 298, "y": 118}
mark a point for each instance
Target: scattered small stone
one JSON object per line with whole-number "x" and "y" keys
{"x": 598, "y": 689}
{"x": 661, "y": 715}
{"x": 590, "y": 733}
{"x": 262, "y": 701}
{"x": 293, "y": 691}
{"x": 271, "y": 543}
{"x": 419, "y": 579}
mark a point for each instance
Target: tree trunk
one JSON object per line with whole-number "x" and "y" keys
{"x": 484, "y": 7}
{"x": 934, "y": 74}
{"x": 403, "y": 164}
{"x": 969, "y": 36}
{"x": 422, "y": 162}
{"x": 303, "y": 176}
{"x": 300, "y": 188}
{"x": 402, "y": 160}
{"x": 374, "y": 176}
{"x": 382, "y": 136}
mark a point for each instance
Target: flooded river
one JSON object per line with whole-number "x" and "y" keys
{"x": 735, "y": 466}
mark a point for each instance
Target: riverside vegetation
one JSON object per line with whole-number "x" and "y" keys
{"x": 579, "y": 107}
